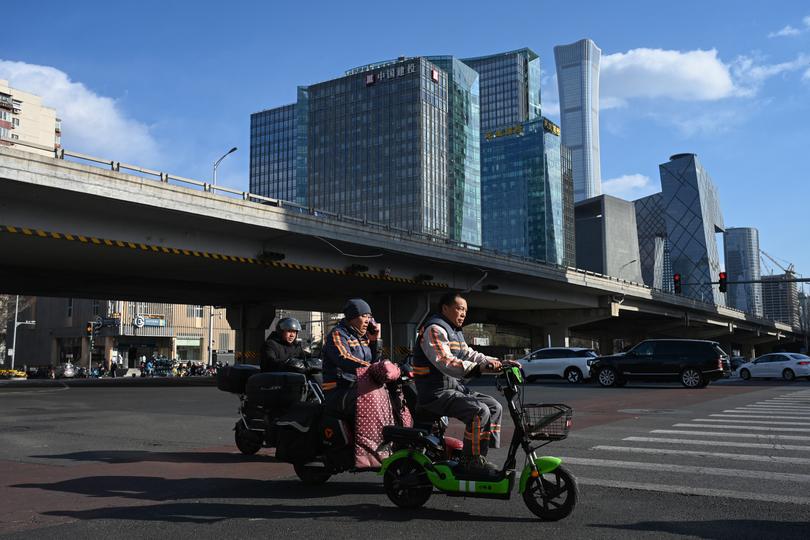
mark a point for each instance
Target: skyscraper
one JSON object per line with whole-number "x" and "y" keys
{"x": 394, "y": 142}
{"x": 510, "y": 87}
{"x": 522, "y": 162}
{"x": 578, "y": 84}
{"x": 780, "y": 299}
{"x": 686, "y": 237}
{"x": 522, "y": 191}
{"x": 742, "y": 264}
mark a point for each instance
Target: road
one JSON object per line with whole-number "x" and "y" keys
{"x": 653, "y": 461}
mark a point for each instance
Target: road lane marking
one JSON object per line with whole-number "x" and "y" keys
{"x": 752, "y": 428}
{"x": 784, "y": 411}
{"x": 704, "y": 492}
{"x": 760, "y": 416}
{"x": 750, "y": 421}
{"x": 687, "y": 469}
{"x": 722, "y": 455}
{"x": 779, "y": 406}
{"x": 727, "y": 434}
{"x": 731, "y": 444}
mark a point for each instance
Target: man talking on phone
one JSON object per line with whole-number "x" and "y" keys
{"x": 351, "y": 344}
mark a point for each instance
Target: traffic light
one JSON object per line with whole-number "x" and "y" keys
{"x": 89, "y": 329}
{"x": 723, "y": 282}
{"x": 676, "y": 280}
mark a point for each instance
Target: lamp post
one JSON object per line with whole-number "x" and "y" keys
{"x": 622, "y": 267}
{"x": 217, "y": 162}
{"x": 17, "y": 324}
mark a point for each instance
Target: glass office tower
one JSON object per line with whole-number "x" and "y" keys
{"x": 395, "y": 142}
{"x": 510, "y": 87}
{"x": 569, "y": 221}
{"x": 522, "y": 191}
{"x": 464, "y": 159}
{"x": 742, "y": 264}
{"x": 273, "y": 147}
{"x": 578, "y": 85}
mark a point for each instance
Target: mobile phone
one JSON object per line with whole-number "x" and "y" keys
{"x": 372, "y": 327}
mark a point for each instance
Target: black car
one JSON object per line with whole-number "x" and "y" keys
{"x": 694, "y": 363}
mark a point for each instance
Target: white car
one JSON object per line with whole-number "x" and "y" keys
{"x": 788, "y": 366}
{"x": 570, "y": 363}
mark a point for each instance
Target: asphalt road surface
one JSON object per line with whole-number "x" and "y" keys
{"x": 653, "y": 461}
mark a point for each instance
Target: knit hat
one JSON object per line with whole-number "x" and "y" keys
{"x": 356, "y": 307}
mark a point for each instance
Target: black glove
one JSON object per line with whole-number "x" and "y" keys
{"x": 296, "y": 365}
{"x": 314, "y": 365}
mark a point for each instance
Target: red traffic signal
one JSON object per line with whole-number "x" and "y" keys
{"x": 676, "y": 281}
{"x": 723, "y": 282}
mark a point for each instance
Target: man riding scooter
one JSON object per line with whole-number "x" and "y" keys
{"x": 440, "y": 363}
{"x": 283, "y": 351}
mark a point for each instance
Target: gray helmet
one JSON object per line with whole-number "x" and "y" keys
{"x": 288, "y": 323}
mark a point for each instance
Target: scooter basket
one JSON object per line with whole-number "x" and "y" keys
{"x": 547, "y": 421}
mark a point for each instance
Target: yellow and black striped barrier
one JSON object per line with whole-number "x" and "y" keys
{"x": 121, "y": 244}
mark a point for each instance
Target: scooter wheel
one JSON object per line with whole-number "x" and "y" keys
{"x": 247, "y": 441}
{"x": 406, "y": 484}
{"x": 311, "y": 476}
{"x": 552, "y": 496}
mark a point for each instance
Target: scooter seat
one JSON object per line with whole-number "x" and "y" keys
{"x": 403, "y": 435}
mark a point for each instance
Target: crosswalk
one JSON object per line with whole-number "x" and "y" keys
{"x": 755, "y": 452}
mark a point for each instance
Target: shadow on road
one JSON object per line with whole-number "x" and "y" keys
{"x": 138, "y": 456}
{"x": 215, "y": 512}
{"x": 720, "y": 529}
{"x": 153, "y": 488}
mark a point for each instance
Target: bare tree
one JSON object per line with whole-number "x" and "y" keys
{"x": 7, "y": 303}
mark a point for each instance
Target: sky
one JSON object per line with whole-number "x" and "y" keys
{"x": 170, "y": 85}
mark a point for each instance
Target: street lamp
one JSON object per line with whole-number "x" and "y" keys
{"x": 17, "y": 324}
{"x": 217, "y": 162}
{"x": 622, "y": 267}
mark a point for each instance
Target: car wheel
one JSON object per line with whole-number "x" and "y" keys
{"x": 691, "y": 378}
{"x": 745, "y": 374}
{"x": 788, "y": 375}
{"x": 247, "y": 441}
{"x": 607, "y": 376}
{"x": 573, "y": 375}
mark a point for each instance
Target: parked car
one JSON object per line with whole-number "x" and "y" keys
{"x": 694, "y": 363}
{"x": 774, "y": 365}
{"x": 570, "y": 363}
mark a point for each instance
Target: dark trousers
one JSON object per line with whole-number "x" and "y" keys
{"x": 481, "y": 414}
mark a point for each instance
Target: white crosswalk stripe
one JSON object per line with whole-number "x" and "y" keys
{"x": 761, "y": 448}
{"x": 752, "y": 421}
{"x": 730, "y": 444}
{"x": 724, "y": 455}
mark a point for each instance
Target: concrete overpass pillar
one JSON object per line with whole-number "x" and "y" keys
{"x": 537, "y": 338}
{"x": 606, "y": 345}
{"x": 250, "y": 322}
{"x": 558, "y": 334}
{"x": 400, "y": 315}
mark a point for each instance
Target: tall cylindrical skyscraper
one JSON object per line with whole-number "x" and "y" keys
{"x": 578, "y": 83}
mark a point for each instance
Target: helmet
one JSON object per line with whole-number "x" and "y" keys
{"x": 288, "y": 323}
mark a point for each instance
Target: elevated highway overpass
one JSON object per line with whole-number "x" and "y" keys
{"x": 77, "y": 226}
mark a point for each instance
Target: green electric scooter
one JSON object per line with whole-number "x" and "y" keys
{"x": 419, "y": 465}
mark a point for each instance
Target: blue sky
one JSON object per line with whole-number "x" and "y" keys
{"x": 171, "y": 85}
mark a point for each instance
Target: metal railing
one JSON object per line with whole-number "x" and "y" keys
{"x": 424, "y": 238}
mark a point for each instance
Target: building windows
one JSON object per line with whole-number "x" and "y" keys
{"x": 70, "y": 307}
{"x": 194, "y": 311}
{"x": 96, "y": 307}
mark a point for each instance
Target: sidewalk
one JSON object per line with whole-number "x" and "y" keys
{"x": 107, "y": 382}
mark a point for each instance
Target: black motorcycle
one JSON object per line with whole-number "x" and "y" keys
{"x": 264, "y": 397}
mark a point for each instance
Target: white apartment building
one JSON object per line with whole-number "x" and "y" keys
{"x": 23, "y": 118}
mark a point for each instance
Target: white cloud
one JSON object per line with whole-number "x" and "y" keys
{"x": 684, "y": 76}
{"x": 806, "y": 21}
{"x": 91, "y": 124}
{"x": 629, "y": 186}
{"x": 806, "y": 76}
{"x": 655, "y": 73}
{"x": 786, "y": 31}
{"x": 750, "y": 76}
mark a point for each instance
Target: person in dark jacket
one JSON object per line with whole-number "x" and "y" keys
{"x": 351, "y": 344}
{"x": 282, "y": 350}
